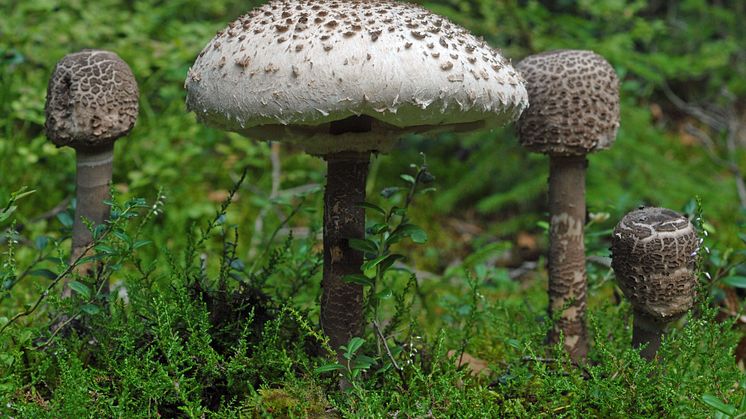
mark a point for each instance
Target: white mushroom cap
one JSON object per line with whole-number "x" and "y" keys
{"x": 290, "y": 68}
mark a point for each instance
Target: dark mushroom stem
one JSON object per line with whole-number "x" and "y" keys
{"x": 92, "y": 183}
{"x": 648, "y": 332}
{"x": 567, "y": 284}
{"x": 344, "y": 218}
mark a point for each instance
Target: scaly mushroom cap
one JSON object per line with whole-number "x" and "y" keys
{"x": 654, "y": 253}
{"x": 290, "y": 68}
{"x": 574, "y": 99}
{"x": 91, "y": 100}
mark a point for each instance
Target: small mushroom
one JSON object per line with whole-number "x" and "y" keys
{"x": 344, "y": 103}
{"x": 574, "y": 110}
{"x": 91, "y": 102}
{"x": 654, "y": 257}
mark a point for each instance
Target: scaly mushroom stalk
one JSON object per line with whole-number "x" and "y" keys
{"x": 341, "y": 80}
{"x": 92, "y": 100}
{"x": 344, "y": 218}
{"x": 574, "y": 110}
{"x": 567, "y": 285}
{"x": 654, "y": 256}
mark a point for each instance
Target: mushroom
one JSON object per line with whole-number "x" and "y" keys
{"x": 574, "y": 110}
{"x": 343, "y": 79}
{"x": 91, "y": 102}
{"x": 654, "y": 257}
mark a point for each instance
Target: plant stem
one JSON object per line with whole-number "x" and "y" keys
{"x": 342, "y": 301}
{"x": 567, "y": 278}
{"x": 92, "y": 189}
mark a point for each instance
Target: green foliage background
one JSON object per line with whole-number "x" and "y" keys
{"x": 690, "y": 49}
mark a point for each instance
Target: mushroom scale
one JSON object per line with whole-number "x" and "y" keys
{"x": 92, "y": 99}
{"x": 574, "y": 103}
{"x": 290, "y": 68}
{"x": 654, "y": 256}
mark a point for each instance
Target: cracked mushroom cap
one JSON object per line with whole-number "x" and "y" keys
{"x": 91, "y": 100}
{"x": 288, "y": 69}
{"x": 574, "y": 99}
{"x": 654, "y": 253}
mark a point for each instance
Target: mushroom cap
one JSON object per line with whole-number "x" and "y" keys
{"x": 290, "y": 68}
{"x": 574, "y": 99}
{"x": 91, "y": 100}
{"x": 654, "y": 256}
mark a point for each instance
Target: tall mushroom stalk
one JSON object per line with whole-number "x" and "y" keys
{"x": 343, "y": 79}
{"x": 574, "y": 110}
{"x": 654, "y": 257}
{"x": 91, "y": 102}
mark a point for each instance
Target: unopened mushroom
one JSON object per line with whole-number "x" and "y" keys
{"x": 91, "y": 102}
{"x": 574, "y": 110}
{"x": 654, "y": 257}
{"x": 342, "y": 79}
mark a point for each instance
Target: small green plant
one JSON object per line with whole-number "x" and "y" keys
{"x": 391, "y": 226}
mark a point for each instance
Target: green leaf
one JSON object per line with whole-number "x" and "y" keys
{"x": 20, "y": 194}
{"x": 363, "y": 362}
{"x": 736, "y": 281}
{"x": 378, "y": 228}
{"x": 407, "y": 178}
{"x": 140, "y": 243}
{"x": 80, "y": 288}
{"x": 363, "y": 245}
{"x": 6, "y": 213}
{"x": 328, "y": 368}
{"x": 390, "y": 259}
{"x": 718, "y": 405}
{"x": 46, "y": 273}
{"x": 358, "y": 279}
{"x": 105, "y": 250}
{"x": 354, "y": 344}
{"x": 384, "y": 294}
{"x": 65, "y": 219}
{"x": 41, "y": 242}
{"x": 373, "y": 207}
{"x": 390, "y": 191}
{"x": 385, "y": 261}
{"x": 90, "y": 309}
{"x": 514, "y": 343}
{"x": 414, "y": 232}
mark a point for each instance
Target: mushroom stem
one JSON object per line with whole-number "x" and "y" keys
{"x": 646, "y": 331}
{"x": 342, "y": 301}
{"x": 92, "y": 181}
{"x": 567, "y": 283}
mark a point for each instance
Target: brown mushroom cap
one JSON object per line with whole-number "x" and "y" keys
{"x": 91, "y": 100}
{"x": 574, "y": 97}
{"x": 654, "y": 256}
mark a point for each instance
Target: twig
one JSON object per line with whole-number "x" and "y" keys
{"x": 59, "y": 277}
{"x": 57, "y": 330}
{"x": 721, "y": 121}
{"x": 54, "y": 211}
{"x": 692, "y": 110}
{"x": 385, "y": 345}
